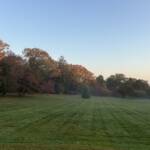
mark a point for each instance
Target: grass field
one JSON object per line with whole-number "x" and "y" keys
{"x": 72, "y": 123}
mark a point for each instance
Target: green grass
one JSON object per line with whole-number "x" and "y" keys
{"x": 71, "y": 123}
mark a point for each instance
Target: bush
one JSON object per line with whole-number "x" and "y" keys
{"x": 85, "y": 92}
{"x": 140, "y": 93}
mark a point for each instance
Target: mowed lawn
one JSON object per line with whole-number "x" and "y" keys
{"x": 72, "y": 123}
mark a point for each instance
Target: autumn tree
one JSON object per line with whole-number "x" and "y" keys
{"x": 4, "y": 77}
{"x": 3, "y": 46}
{"x": 37, "y": 72}
{"x": 3, "y": 68}
{"x": 11, "y": 71}
{"x": 44, "y": 67}
{"x": 27, "y": 83}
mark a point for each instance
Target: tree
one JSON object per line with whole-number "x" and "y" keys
{"x": 38, "y": 72}
{"x": 126, "y": 89}
{"x": 114, "y": 82}
{"x": 3, "y": 88}
{"x": 64, "y": 78}
{"x": 4, "y": 76}
{"x": 11, "y": 70}
{"x": 100, "y": 88}
{"x": 3, "y": 46}
{"x": 3, "y": 68}
{"x": 72, "y": 77}
{"x": 45, "y": 68}
{"x": 141, "y": 85}
{"x": 133, "y": 87}
{"x": 27, "y": 83}
{"x": 82, "y": 75}
{"x": 100, "y": 80}
{"x": 40, "y": 61}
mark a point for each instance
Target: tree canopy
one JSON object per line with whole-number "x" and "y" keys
{"x": 37, "y": 72}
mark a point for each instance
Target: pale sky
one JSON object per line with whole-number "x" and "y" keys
{"x": 106, "y": 36}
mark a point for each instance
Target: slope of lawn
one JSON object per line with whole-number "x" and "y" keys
{"x": 71, "y": 123}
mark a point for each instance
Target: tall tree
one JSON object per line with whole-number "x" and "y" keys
{"x": 45, "y": 68}
{"x": 100, "y": 80}
{"x": 63, "y": 81}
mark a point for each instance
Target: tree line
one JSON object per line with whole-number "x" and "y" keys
{"x": 37, "y": 72}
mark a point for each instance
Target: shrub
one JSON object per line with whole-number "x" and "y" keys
{"x": 85, "y": 92}
{"x": 140, "y": 93}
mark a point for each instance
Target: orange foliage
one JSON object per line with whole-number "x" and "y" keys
{"x": 81, "y": 74}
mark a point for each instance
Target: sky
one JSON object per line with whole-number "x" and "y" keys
{"x": 106, "y": 36}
